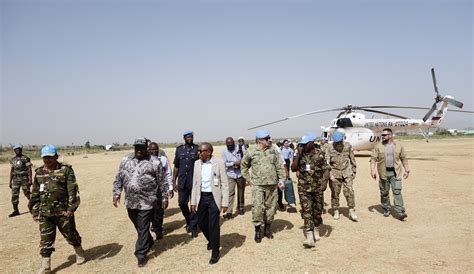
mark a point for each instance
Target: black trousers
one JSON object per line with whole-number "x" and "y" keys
{"x": 208, "y": 220}
{"x": 184, "y": 195}
{"x": 158, "y": 216}
{"x": 141, "y": 220}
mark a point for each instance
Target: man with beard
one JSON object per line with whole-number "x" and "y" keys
{"x": 386, "y": 163}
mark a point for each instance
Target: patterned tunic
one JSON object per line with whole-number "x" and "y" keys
{"x": 142, "y": 180}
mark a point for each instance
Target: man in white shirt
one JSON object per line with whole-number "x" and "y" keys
{"x": 210, "y": 194}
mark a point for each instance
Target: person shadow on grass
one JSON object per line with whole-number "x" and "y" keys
{"x": 96, "y": 253}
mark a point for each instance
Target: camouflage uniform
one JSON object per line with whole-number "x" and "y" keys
{"x": 311, "y": 166}
{"x": 20, "y": 166}
{"x": 343, "y": 168}
{"x": 54, "y": 193}
{"x": 267, "y": 170}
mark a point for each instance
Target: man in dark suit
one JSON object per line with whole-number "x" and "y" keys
{"x": 210, "y": 195}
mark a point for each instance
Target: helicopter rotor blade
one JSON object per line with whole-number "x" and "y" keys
{"x": 432, "y": 109}
{"x": 465, "y": 111}
{"x": 401, "y": 107}
{"x": 383, "y": 112}
{"x": 434, "y": 82}
{"x": 453, "y": 102}
{"x": 296, "y": 116}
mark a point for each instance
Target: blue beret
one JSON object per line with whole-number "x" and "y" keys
{"x": 188, "y": 132}
{"x": 48, "y": 150}
{"x": 311, "y": 135}
{"x": 16, "y": 146}
{"x": 306, "y": 139}
{"x": 262, "y": 133}
{"x": 337, "y": 136}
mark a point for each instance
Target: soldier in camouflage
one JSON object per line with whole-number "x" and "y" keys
{"x": 313, "y": 169}
{"x": 343, "y": 169}
{"x": 267, "y": 170}
{"x": 20, "y": 177}
{"x": 54, "y": 199}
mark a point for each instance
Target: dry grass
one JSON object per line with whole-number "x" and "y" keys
{"x": 437, "y": 236}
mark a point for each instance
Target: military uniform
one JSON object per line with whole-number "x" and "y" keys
{"x": 343, "y": 168}
{"x": 184, "y": 159}
{"x": 54, "y": 193}
{"x": 311, "y": 167}
{"x": 267, "y": 170}
{"x": 20, "y": 168}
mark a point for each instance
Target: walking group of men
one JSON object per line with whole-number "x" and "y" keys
{"x": 206, "y": 186}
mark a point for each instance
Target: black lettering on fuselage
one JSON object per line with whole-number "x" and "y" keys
{"x": 374, "y": 139}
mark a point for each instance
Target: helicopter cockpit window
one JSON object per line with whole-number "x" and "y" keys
{"x": 344, "y": 122}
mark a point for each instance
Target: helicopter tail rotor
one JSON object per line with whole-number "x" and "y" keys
{"x": 448, "y": 99}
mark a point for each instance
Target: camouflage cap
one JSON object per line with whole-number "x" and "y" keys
{"x": 140, "y": 141}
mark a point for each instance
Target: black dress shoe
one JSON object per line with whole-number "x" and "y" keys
{"x": 159, "y": 235}
{"x": 209, "y": 246}
{"x": 258, "y": 236}
{"x": 214, "y": 260}
{"x": 194, "y": 234}
{"x": 268, "y": 232}
{"x": 14, "y": 213}
{"x": 241, "y": 211}
{"x": 141, "y": 262}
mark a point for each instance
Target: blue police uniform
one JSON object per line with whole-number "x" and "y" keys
{"x": 184, "y": 161}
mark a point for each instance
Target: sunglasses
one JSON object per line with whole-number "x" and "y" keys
{"x": 383, "y": 135}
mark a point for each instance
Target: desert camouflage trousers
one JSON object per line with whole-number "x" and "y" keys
{"x": 311, "y": 209}
{"x": 67, "y": 227}
{"x": 264, "y": 204}
{"x": 347, "y": 190}
{"x": 17, "y": 183}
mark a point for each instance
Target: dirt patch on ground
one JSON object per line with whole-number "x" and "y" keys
{"x": 437, "y": 235}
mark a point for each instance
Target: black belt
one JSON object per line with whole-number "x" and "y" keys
{"x": 206, "y": 193}
{"x": 390, "y": 169}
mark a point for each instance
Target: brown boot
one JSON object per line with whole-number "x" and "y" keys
{"x": 309, "y": 241}
{"x": 80, "y": 257}
{"x": 45, "y": 265}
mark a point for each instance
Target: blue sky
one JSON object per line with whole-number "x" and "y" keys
{"x": 108, "y": 71}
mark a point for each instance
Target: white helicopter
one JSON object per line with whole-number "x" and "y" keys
{"x": 364, "y": 133}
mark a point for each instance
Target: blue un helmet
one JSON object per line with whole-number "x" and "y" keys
{"x": 311, "y": 135}
{"x": 48, "y": 150}
{"x": 17, "y": 146}
{"x": 262, "y": 133}
{"x": 306, "y": 139}
{"x": 337, "y": 136}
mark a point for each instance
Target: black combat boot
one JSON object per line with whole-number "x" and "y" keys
{"x": 15, "y": 212}
{"x": 268, "y": 232}
{"x": 258, "y": 236}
